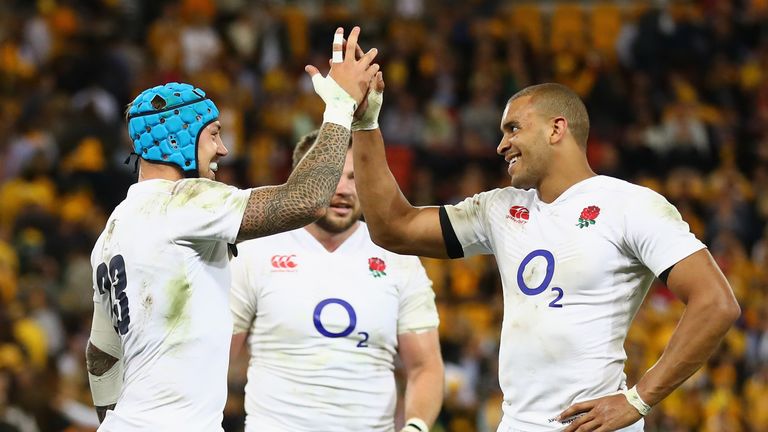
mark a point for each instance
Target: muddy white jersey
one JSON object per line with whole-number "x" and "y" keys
{"x": 323, "y": 330}
{"x": 161, "y": 271}
{"x": 574, "y": 273}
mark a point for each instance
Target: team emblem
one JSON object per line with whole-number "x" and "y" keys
{"x": 377, "y": 267}
{"x": 588, "y": 216}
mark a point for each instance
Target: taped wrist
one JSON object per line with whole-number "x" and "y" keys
{"x": 106, "y": 388}
{"x": 415, "y": 424}
{"x": 339, "y": 105}
{"x": 370, "y": 118}
{"x": 634, "y": 399}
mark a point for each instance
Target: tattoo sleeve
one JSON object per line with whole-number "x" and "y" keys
{"x": 306, "y": 193}
{"x": 97, "y": 361}
{"x": 101, "y": 411}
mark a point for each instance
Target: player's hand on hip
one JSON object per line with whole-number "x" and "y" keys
{"x": 604, "y": 414}
{"x": 353, "y": 75}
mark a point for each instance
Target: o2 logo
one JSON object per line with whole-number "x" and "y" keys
{"x": 347, "y": 331}
{"x": 113, "y": 280}
{"x": 547, "y": 255}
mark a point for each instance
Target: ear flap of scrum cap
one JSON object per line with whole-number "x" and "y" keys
{"x": 165, "y": 123}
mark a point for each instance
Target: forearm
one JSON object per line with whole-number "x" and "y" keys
{"x": 307, "y": 192}
{"x": 105, "y": 378}
{"x": 101, "y": 411}
{"x": 699, "y": 332}
{"x": 382, "y": 201}
{"x": 424, "y": 393}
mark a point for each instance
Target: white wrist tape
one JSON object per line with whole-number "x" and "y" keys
{"x": 634, "y": 399}
{"x": 370, "y": 118}
{"x": 106, "y": 388}
{"x": 415, "y": 424}
{"x": 339, "y": 105}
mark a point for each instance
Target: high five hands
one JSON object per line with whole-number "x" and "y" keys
{"x": 353, "y": 73}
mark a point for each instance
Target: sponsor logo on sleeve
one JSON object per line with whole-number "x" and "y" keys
{"x": 519, "y": 214}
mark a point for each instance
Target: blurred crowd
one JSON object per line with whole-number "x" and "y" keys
{"x": 677, "y": 93}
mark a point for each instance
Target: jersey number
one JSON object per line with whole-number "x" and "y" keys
{"x": 547, "y": 255}
{"x": 113, "y": 280}
{"x": 346, "y": 332}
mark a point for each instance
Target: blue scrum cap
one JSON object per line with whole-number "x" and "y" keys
{"x": 165, "y": 123}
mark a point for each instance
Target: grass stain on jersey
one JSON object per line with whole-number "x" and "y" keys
{"x": 205, "y": 194}
{"x": 178, "y": 290}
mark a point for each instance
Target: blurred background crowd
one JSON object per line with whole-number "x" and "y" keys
{"x": 677, "y": 93}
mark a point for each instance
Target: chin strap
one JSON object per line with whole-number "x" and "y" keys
{"x": 135, "y": 163}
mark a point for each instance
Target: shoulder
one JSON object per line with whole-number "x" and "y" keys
{"x": 196, "y": 186}
{"x": 638, "y": 203}
{"x": 619, "y": 186}
{"x": 505, "y": 195}
{"x": 497, "y": 197}
{"x": 204, "y": 193}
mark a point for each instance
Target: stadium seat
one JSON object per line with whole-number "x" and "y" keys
{"x": 567, "y": 31}
{"x": 527, "y": 22}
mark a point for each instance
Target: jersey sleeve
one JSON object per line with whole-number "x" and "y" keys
{"x": 242, "y": 294}
{"x": 203, "y": 209}
{"x": 656, "y": 233}
{"x": 417, "y": 310}
{"x": 468, "y": 220}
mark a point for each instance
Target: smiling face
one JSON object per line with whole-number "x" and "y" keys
{"x": 525, "y": 143}
{"x": 344, "y": 210}
{"x": 210, "y": 149}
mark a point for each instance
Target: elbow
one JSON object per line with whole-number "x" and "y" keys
{"x": 732, "y": 311}
{"x": 726, "y": 311}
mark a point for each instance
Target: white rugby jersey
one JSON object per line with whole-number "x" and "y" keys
{"x": 161, "y": 271}
{"x": 574, "y": 273}
{"x": 323, "y": 330}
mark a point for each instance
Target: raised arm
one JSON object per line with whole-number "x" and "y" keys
{"x": 307, "y": 192}
{"x": 393, "y": 222}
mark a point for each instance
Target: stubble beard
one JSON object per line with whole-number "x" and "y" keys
{"x": 337, "y": 225}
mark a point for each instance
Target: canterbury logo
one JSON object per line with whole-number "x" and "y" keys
{"x": 284, "y": 262}
{"x": 518, "y": 214}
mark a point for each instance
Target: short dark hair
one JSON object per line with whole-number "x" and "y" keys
{"x": 552, "y": 99}
{"x": 303, "y": 145}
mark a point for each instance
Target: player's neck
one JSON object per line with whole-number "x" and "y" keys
{"x": 151, "y": 171}
{"x": 330, "y": 240}
{"x": 561, "y": 178}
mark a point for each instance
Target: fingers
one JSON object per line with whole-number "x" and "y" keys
{"x": 371, "y": 71}
{"x": 351, "y": 42}
{"x": 578, "y": 422}
{"x": 358, "y": 52}
{"x": 311, "y": 70}
{"x": 378, "y": 82}
{"x": 368, "y": 57}
{"x": 338, "y": 44}
{"x": 575, "y": 409}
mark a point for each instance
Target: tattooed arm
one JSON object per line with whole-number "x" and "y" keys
{"x": 308, "y": 191}
{"x": 306, "y": 194}
{"x": 99, "y": 363}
